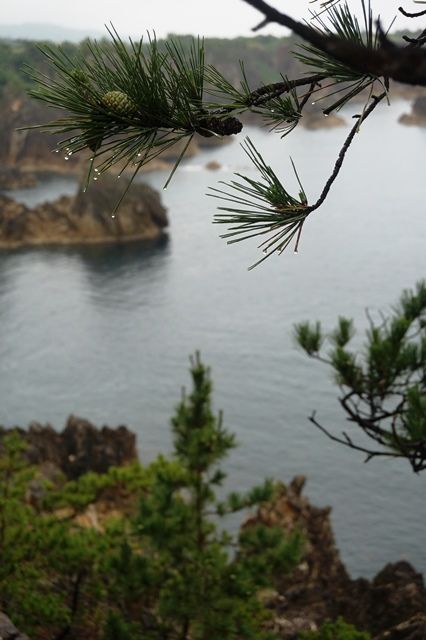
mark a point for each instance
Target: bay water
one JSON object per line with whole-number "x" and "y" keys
{"x": 105, "y": 332}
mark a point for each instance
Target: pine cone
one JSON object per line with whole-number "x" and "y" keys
{"x": 83, "y": 83}
{"x": 119, "y": 103}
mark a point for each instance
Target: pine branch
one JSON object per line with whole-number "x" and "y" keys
{"x": 405, "y": 65}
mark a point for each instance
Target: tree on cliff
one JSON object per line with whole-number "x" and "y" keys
{"x": 383, "y": 386}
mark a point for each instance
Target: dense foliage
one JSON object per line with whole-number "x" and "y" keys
{"x": 162, "y": 567}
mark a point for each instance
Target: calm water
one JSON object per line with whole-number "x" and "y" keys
{"x": 106, "y": 332}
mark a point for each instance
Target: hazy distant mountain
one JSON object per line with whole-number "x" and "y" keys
{"x": 40, "y": 31}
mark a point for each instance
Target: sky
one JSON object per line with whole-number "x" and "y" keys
{"x": 223, "y": 18}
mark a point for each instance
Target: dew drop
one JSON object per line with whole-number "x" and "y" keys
{"x": 326, "y": 115}
{"x": 66, "y": 158}
{"x": 56, "y": 150}
{"x": 113, "y": 215}
{"x": 119, "y": 176}
{"x": 265, "y": 251}
{"x": 94, "y": 178}
{"x": 314, "y": 103}
{"x": 70, "y": 153}
{"x": 296, "y": 251}
{"x": 139, "y": 155}
{"x": 164, "y": 188}
{"x": 96, "y": 170}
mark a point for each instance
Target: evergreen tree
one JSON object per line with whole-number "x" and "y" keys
{"x": 186, "y": 577}
{"x": 383, "y": 384}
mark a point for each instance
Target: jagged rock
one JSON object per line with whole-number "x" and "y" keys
{"x": 396, "y": 594}
{"x": 85, "y": 218}
{"x": 79, "y": 448}
{"x": 8, "y": 631}
{"x": 412, "y": 629}
{"x": 320, "y": 587}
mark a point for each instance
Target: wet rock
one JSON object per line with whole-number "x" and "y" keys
{"x": 86, "y": 218}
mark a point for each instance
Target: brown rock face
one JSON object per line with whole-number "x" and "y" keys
{"x": 86, "y": 218}
{"x": 390, "y": 607}
{"x": 8, "y": 631}
{"x": 79, "y": 448}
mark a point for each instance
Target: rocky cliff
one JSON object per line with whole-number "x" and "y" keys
{"x": 85, "y": 218}
{"x": 79, "y": 448}
{"x": 392, "y": 606}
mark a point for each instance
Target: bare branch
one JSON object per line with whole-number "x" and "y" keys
{"x": 406, "y": 65}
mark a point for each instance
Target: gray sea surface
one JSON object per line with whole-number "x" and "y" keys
{"x": 105, "y": 332}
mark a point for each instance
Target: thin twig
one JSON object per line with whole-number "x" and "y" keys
{"x": 344, "y": 149}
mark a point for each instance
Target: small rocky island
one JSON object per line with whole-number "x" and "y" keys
{"x": 86, "y": 217}
{"x": 417, "y": 117}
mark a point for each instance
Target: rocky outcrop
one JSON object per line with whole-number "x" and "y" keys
{"x": 389, "y": 606}
{"x": 79, "y": 448}
{"x": 8, "y": 631}
{"x": 85, "y": 218}
{"x": 417, "y": 117}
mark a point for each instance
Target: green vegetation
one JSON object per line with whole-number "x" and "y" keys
{"x": 266, "y": 57}
{"x": 163, "y": 567}
{"x": 383, "y": 384}
{"x": 338, "y": 630}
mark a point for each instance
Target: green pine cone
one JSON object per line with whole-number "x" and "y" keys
{"x": 83, "y": 83}
{"x": 119, "y": 103}
{"x": 80, "y": 77}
